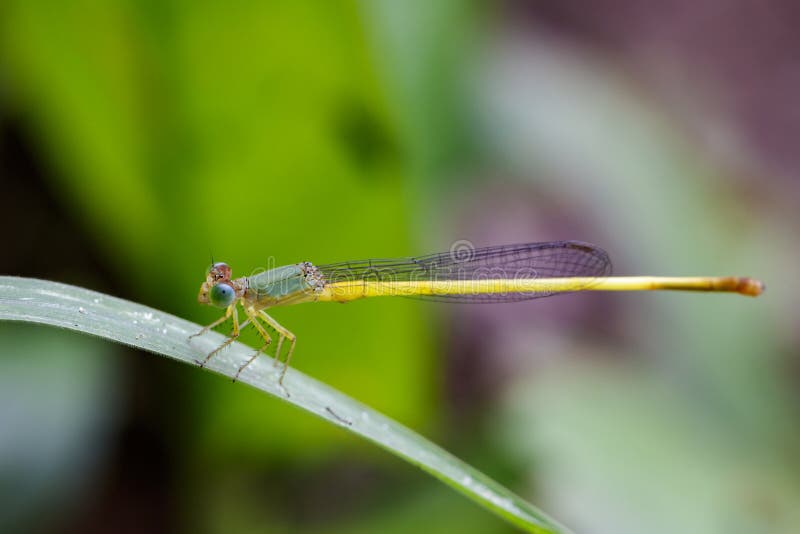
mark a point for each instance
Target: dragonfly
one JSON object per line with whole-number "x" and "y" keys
{"x": 465, "y": 274}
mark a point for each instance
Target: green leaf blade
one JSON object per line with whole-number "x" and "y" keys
{"x": 97, "y": 314}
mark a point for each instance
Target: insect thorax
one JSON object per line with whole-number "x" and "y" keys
{"x": 282, "y": 284}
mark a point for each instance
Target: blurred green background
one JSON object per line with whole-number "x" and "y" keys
{"x": 138, "y": 138}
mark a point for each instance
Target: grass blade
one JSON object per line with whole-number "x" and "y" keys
{"x": 97, "y": 314}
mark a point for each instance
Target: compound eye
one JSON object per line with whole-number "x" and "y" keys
{"x": 220, "y": 271}
{"x": 221, "y": 295}
{"x": 219, "y": 266}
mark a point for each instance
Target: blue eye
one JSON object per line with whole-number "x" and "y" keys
{"x": 222, "y": 295}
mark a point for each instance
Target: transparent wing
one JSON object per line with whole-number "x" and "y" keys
{"x": 557, "y": 259}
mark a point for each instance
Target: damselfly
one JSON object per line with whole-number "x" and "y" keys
{"x": 505, "y": 273}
